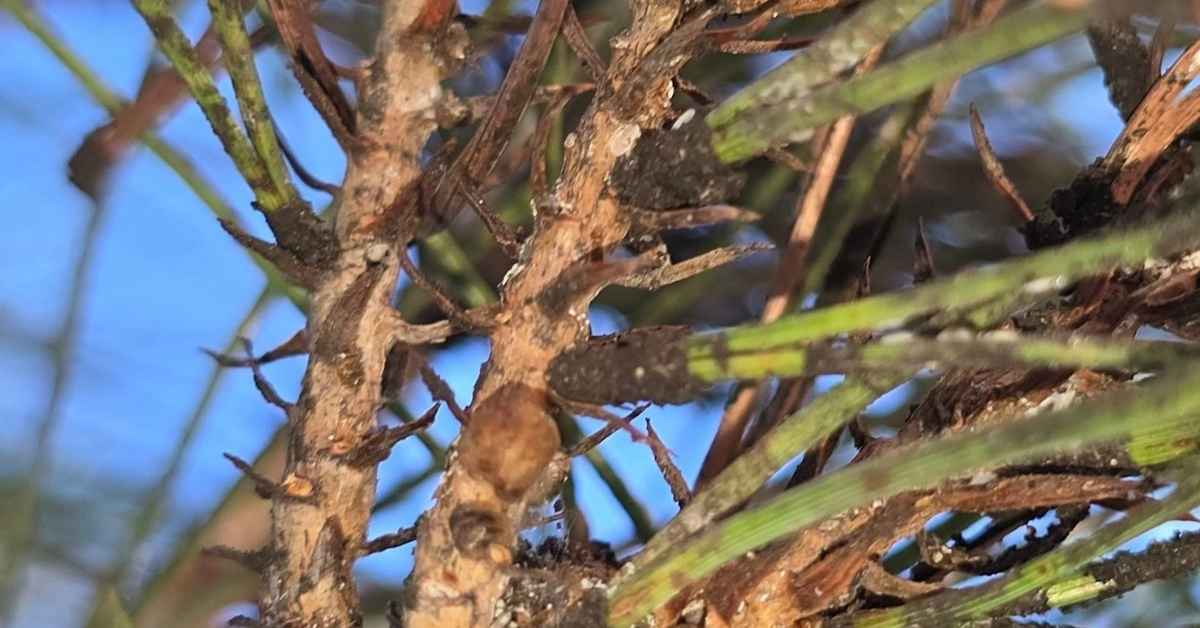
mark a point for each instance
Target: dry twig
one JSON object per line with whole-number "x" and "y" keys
{"x": 666, "y": 466}
{"x": 995, "y": 170}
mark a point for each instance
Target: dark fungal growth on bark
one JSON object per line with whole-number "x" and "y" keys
{"x": 676, "y": 167}
{"x": 639, "y": 365}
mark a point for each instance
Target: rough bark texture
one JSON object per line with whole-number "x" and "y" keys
{"x": 623, "y": 165}
{"x": 321, "y": 511}
{"x": 466, "y": 539}
{"x": 825, "y": 568}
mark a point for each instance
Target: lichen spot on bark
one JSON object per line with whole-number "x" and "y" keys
{"x": 623, "y": 139}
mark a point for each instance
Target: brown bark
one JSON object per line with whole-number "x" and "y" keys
{"x": 465, "y": 542}
{"x": 824, "y": 569}
{"x": 509, "y": 456}
{"x": 319, "y": 517}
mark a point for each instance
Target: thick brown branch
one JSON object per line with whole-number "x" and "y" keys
{"x": 482, "y": 499}
{"x": 352, "y": 325}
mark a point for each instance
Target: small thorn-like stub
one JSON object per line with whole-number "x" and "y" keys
{"x": 253, "y": 560}
{"x": 655, "y": 278}
{"x": 614, "y": 424}
{"x": 288, "y": 263}
{"x": 995, "y": 170}
{"x": 263, "y": 486}
{"x": 587, "y": 277}
{"x": 670, "y": 472}
{"x": 539, "y": 177}
{"x": 406, "y": 333}
{"x": 298, "y": 167}
{"x": 377, "y": 445}
{"x": 297, "y": 344}
{"x": 260, "y": 381}
{"x": 386, "y": 542}
{"x": 225, "y": 360}
{"x": 465, "y": 319}
{"x": 440, "y": 391}
{"x": 924, "y": 268}
{"x": 507, "y": 236}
